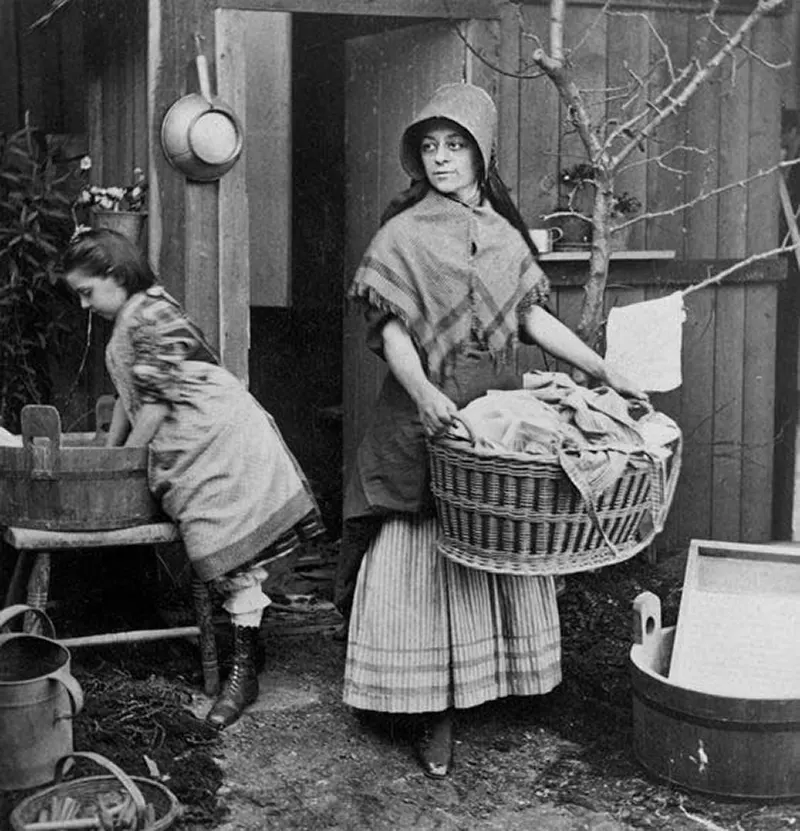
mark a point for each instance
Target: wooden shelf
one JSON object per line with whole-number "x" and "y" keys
{"x": 570, "y": 256}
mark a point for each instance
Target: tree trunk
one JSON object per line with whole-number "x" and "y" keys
{"x": 590, "y": 326}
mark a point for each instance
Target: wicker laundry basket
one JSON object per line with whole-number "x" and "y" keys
{"x": 521, "y": 514}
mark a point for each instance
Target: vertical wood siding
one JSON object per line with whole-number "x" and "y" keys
{"x": 41, "y": 70}
{"x": 726, "y": 405}
{"x": 115, "y": 66}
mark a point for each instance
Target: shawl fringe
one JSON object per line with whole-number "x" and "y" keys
{"x": 455, "y": 276}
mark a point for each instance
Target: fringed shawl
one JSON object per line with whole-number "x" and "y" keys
{"x": 454, "y": 275}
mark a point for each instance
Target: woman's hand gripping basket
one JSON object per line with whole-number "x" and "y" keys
{"x": 517, "y": 513}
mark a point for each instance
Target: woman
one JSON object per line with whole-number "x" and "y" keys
{"x": 450, "y": 283}
{"x": 217, "y": 463}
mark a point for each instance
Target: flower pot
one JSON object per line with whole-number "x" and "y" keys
{"x": 127, "y": 223}
{"x": 576, "y": 234}
{"x": 619, "y": 237}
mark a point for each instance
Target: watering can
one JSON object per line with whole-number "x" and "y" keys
{"x": 38, "y": 699}
{"x": 200, "y": 135}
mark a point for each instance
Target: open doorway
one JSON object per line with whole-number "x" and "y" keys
{"x": 295, "y": 362}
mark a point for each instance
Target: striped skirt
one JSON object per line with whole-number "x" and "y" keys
{"x": 427, "y": 634}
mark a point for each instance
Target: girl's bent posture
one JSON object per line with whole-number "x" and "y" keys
{"x": 217, "y": 464}
{"x": 450, "y": 284}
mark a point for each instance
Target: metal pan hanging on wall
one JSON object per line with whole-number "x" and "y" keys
{"x": 200, "y": 135}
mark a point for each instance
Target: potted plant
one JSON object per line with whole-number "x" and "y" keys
{"x": 623, "y": 206}
{"x": 578, "y": 186}
{"x": 121, "y": 208}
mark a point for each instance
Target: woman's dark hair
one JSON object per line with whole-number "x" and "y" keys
{"x": 492, "y": 186}
{"x": 107, "y": 253}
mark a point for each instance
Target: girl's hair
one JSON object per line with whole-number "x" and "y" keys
{"x": 106, "y": 253}
{"x": 492, "y": 187}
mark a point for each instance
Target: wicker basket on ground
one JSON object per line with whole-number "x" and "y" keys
{"x": 522, "y": 514}
{"x": 113, "y": 801}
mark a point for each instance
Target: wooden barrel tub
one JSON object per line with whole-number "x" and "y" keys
{"x": 741, "y": 748}
{"x": 60, "y": 481}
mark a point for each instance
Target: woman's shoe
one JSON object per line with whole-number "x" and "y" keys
{"x": 436, "y": 747}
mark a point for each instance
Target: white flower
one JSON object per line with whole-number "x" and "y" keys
{"x": 86, "y": 163}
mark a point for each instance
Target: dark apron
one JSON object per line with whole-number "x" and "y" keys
{"x": 391, "y": 472}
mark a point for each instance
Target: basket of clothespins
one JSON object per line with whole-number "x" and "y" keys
{"x": 114, "y": 801}
{"x": 552, "y": 479}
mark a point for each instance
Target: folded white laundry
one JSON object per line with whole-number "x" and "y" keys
{"x": 643, "y": 341}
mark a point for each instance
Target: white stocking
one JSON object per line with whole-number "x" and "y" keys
{"x": 245, "y": 600}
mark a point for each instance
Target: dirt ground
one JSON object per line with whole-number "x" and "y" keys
{"x": 299, "y": 759}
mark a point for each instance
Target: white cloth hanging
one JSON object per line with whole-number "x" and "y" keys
{"x": 9, "y": 439}
{"x": 643, "y": 341}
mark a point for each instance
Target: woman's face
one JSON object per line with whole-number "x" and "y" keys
{"x": 102, "y": 295}
{"x": 450, "y": 160}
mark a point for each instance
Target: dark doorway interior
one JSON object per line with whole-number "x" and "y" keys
{"x": 295, "y": 354}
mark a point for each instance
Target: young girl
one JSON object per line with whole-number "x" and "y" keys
{"x": 217, "y": 463}
{"x": 450, "y": 285}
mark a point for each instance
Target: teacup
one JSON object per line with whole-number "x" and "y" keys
{"x": 545, "y": 238}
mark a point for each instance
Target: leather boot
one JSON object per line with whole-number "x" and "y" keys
{"x": 435, "y": 749}
{"x": 241, "y": 686}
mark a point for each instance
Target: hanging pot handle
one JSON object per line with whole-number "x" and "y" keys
{"x": 202, "y": 77}
{"x": 10, "y": 612}
{"x": 130, "y": 786}
{"x": 202, "y": 69}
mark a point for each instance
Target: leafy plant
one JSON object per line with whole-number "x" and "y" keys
{"x": 577, "y": 188}
{"x": 577, "y": 175}
{"x": 36, "y": 195}
{"x": 579, "y": 182}
{"x": 624, "y": 204}
{"x": 113, "y": 198}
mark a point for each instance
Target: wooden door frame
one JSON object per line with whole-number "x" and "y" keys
{"x": 192, "y": 237}
{"x": 439, "y": 9}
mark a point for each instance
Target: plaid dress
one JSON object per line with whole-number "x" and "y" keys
{"x": 218, "y": 463}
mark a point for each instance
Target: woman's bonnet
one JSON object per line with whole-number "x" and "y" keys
{"x": 471, "y": 107}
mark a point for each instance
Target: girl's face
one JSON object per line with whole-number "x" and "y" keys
{"x": 102, "y": 295}
{"x": 450, "y": 160}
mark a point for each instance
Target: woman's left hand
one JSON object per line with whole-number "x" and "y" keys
{"x": 623, "y": 385}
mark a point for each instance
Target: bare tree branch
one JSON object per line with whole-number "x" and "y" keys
{"x": 738, "y": 266}
{"x": 709, "y": 194}
{"x": 598, "y": 17}
{"x": 700, "y": 76}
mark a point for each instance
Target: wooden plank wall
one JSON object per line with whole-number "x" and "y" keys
{"x": 715, "y": 498}
{"x": 41, "y": 70}
{"x": 115, "y": 101}
{"x": 184, "y": 226}
{"x": 268, "y": 147}
{"x": 726, "y": 403}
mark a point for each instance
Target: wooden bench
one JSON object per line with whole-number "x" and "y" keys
{"x": 40, "y": 546}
